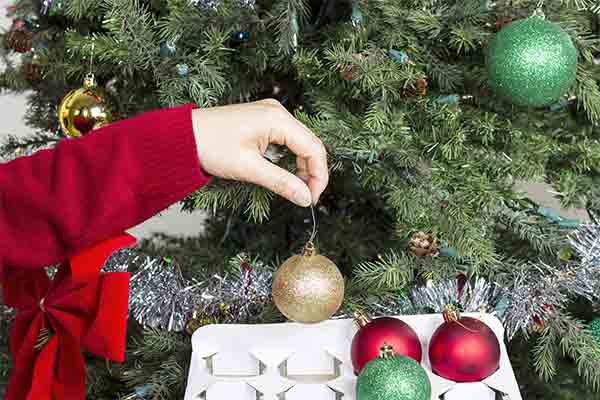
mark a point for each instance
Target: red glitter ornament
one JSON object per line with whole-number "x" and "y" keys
{"x": 464, "y": 349}
{"x": 374, "y": 334}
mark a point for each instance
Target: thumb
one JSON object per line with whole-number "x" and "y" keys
{"x": 266, "y": 174}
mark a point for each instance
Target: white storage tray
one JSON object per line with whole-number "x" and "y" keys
{"x": 294, "y": 361}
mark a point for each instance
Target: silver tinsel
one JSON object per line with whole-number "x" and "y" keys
{"x": 7, "y": 315}
{"x": 530, "y": 296}
{"x": 245, "y": 292}
{"x": 541, "y": 289}
{"x": 213, "y": 4}
{"x": 160, "y": 297}
{"x": 586, "y": 242}
{"x": 479, "y": 295}
{"x": 205, "y": 4}
{"x": 120, "y": 260}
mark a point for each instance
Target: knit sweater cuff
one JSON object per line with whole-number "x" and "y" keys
{"x": 171, "y": 156}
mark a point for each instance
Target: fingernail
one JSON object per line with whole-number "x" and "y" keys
{"x": 302, "y": 198}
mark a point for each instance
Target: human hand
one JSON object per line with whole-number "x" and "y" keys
{"x": 233, "y": 139}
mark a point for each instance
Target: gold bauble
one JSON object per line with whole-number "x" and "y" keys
{"x": 84, "y": 109}
{"x": 308, "y": 288}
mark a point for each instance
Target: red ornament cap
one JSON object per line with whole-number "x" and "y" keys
{"x": 386, "y": 351}
{"x": 361, "y": 319}
{"x": 451, "y": 313}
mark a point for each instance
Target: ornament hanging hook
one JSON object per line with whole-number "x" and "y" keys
{"x": 92, "y": 56}
{"x": 539, "y": 12}
{"x": 90, "y": 80}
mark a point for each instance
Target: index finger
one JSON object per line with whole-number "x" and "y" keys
{"x": 306, "y": 145}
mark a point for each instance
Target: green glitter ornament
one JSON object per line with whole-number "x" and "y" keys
{"x": 594, "y": 328}
{"x": 393, "y": 377}
{"x": 531, "y": 62}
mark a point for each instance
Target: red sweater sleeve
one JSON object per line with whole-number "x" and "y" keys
{"x": 84, "y": 190}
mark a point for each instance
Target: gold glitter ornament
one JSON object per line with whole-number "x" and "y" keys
{"x": 84, "y": 109}
{"x": 308, "y": 287}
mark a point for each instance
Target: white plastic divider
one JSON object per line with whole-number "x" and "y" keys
{"x": 294, "y": 361}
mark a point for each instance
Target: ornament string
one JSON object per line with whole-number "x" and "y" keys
{"x": 313, "y": 235}
{"x": 92, "y": 58}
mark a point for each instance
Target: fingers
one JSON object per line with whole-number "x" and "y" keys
{"x": 266, "y": 174}
{"x": 315, "y": 185}
{"x": 312, "y": 163}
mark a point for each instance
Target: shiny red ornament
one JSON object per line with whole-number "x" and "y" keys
{"x": 464, "y": 350}
{"x": 374, "y": 334}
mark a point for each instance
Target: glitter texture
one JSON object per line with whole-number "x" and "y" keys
{"x": 393, "y": 378}
{"x": 308, "y": 288}
{"x": 531, "y": 62}
{"x": 594, "y": 328}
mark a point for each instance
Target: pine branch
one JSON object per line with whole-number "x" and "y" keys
{"x": 227, "y": 195}
{"x": 156, "y": 343}
{"x": 289, "y": 15}
{"x": 391, "y": 272}
{"x": 541, "y": 236}
{"x": 578, "y": 343}
{"x": 545, "y": 357}
{"x": 588, "y": 94}
{"x": 16, "y": 146}
{"x": 78, "y": 9}
{"x": 425, "y": 23}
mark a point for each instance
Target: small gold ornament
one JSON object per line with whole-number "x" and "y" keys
{"x": 308, "y": 287}
{"x": 84, "y": 109}
{"x": 201, "y": 318}
{"x": 198, "y": 321}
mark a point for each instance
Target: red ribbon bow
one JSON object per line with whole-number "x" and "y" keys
{"x": 81, "y": 307}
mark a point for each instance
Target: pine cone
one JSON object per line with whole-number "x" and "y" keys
{"x": 419, "y": 90}
{"x": 19, "y": 41}
{"x": 502, "y": 21}
{"x": 31, "y": 72}
{"x": 350, "y": 73}
{"x": 424, "y": 245}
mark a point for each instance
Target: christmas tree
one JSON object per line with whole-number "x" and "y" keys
{"x": 431, "y": 111}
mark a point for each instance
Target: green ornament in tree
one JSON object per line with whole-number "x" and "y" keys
{"x": 594, "y": 328}
{"x": 393, "y": 377}
{"x": 531, "y": 62}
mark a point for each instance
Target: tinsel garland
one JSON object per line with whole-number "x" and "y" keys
{"x": 477, "y": 295}
{"x": 7, "y": 316}
{"x": 536, "y": 290}
{"x": 161, "y": 297}
{"x": 586, "y": 242}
